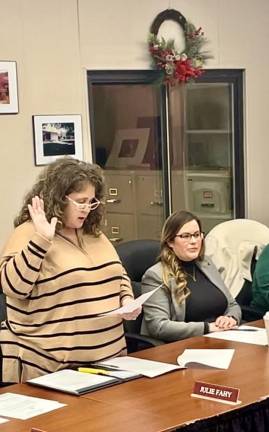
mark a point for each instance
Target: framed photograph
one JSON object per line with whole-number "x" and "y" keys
{"x": 8, "y": 88}
{"x": 56, "y": 136}
{"x": 152, "y": 155}
{"x": 129, "y": 147}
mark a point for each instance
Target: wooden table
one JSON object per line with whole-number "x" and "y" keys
{"x": 154, "y": 404}
{"x": 80, "y": 415}
{"x": 169, "y": 396}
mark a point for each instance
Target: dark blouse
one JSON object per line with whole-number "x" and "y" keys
{"x": 206, "y": 302}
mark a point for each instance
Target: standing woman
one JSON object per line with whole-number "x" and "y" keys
{"x": 193, "y": 299}
{"x": 59, "y": 272}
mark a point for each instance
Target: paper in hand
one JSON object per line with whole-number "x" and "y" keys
{"x": 130, "y": 307}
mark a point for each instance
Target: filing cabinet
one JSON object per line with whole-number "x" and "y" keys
{"x": 134, "y": 205}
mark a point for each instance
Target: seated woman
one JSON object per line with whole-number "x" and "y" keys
{"x": 60, "y": 273}
{"x": 193, "y": 299}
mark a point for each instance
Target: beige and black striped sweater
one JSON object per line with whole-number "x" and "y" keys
{"x": 55, "y": 292}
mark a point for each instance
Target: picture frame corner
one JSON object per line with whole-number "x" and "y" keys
{"x": 9, "y": 103}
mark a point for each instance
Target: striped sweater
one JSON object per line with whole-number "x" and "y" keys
{"x": 55, "y": 292}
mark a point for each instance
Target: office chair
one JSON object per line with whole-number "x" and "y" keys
{"x": 244, "y": 297}
{"x": 3, "y": 312}
{"x": 3, "y": 315}
{"x": 137, "y": 256}
{"x": 234, "y": 247}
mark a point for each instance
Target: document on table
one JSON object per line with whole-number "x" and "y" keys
{"x": 244, "y": 333}
{"x": 130, "y": 307}
{"x": 217, "y": 358}
{"x": 102, "y": 368}
{"x": 2, "y": 420}
{"x": 148, "y": 368}
{"x": 24, "y": 407}
{"x": 74, "y": 382}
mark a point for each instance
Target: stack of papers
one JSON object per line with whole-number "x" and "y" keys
{"x": 24, "y": 407}
{"x": 217, "y": 358}
{"x": 148, "y": 368}
{"x": 74, "y": 382}
{"x": 244, "y": 333}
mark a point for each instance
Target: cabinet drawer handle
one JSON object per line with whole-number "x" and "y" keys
{"x": 113, "y": 201}
{"x": 208, "y": 205}
{"x": 156, "y": 203}
{"x": 115, "y": 239}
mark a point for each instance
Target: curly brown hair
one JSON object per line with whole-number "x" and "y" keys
{"x": 172, "y": 265}
{"x": 59, "y": 179}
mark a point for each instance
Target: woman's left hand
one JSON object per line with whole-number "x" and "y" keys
{"x": 225, "y": 322}
{"x": 130, "y": 315}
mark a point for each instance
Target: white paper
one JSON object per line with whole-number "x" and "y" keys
{"x": 135, "y": 304}
{"x": 244, "y": 333}
{"x": 24, "y": 407}
{"x": 121, "y": 374}
{"x": 115, "y": 371}
{"x": 148, "y": 368}
{"x": 2, "y": 420}
{"x": 217, "y": 358}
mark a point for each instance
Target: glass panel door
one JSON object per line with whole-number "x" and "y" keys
{"x": 202, "y": 134}
{"x": 167, "y": 148}
{"x": 127, "y": 131}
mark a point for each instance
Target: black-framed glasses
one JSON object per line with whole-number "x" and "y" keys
{"x": 92, "y": 205}
{"x": 187, "y": 237}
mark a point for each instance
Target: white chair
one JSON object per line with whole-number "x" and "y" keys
{"x": 231, "y": 245}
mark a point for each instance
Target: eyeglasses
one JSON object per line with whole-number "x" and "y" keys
{"x": 187, "y": 237}
{"x": 85, "y": 206}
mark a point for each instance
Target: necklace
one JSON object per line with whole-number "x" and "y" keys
{"x": 74, "y": 239}
{"x": 193, "y": 275}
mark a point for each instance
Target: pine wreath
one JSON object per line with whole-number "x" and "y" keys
{"x": 178, "y": 67}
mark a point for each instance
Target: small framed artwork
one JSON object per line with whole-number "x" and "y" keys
{"x": 8, "y": 88}
{"x": 152, "y": 155}
{"x": 128, "y": 148}
{"x": 57, "y": 136}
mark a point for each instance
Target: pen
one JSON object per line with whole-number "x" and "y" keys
{"x": 99, "y": 372}
{"x": 107, "y": 366}
{"x": 248, "y": 330}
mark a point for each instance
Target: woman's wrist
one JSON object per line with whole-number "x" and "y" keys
{"x": 232, "y": 316}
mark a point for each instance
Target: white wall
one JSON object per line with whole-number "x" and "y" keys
{"x": 55, "y": 41}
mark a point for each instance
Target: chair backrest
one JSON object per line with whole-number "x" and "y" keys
{"x": 231, "y": 245}
{"x": 245, "y": 295}
{"x": 137, "y": 256}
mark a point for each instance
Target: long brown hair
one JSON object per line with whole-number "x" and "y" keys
{"x": 172, "y": 265}
{"x": 59, "y": 179}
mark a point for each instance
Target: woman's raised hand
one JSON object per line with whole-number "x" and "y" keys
{"x": 42, "y": 225}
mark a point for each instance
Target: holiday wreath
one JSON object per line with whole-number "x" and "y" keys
{"x": 178, "y": 67}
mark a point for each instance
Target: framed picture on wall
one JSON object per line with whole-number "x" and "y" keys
{"x": 57, "y": 136}
{"x": 129, "y": 147}
{"x": 8, "y": 88}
